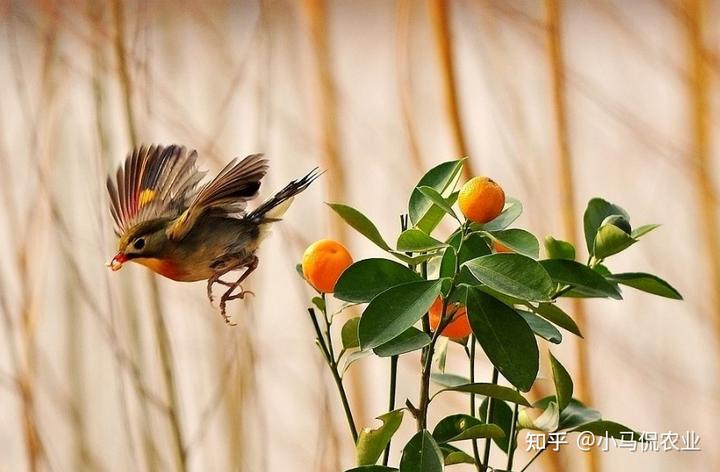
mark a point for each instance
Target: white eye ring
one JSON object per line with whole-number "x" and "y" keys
{"x": 139, "y": 243}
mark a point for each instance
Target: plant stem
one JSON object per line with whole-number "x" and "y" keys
{"x": 476, "y": 449}
{"x": 512, "y": 440}
{"x": 325, "y": 347}
{"x": 533, "y": 459}
{"x": 391, "y": 402}
{"x": 488, "y": 419}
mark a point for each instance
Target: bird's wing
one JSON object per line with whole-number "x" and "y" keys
{"x": 228, "y": 193}
{"x": 153, "y": 182}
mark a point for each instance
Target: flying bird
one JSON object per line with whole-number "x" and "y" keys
{"x": 170, "y": 223}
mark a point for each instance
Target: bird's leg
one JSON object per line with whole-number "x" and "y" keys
{"x": 250, "y": 265}
{"x": 215, "y": 278}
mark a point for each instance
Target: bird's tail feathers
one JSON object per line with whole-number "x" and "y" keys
{"x": 275, "y": 207}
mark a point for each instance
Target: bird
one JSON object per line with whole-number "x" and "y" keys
{"x": 167, "y": 220}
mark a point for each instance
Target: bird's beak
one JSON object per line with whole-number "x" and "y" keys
{"x": 117, "y": 262}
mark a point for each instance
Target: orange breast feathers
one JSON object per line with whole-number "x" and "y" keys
{"x": 164, "y": 267}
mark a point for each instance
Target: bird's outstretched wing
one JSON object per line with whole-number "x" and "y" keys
{"x": 228, "y": 193}
{"x": 153, "y": 182}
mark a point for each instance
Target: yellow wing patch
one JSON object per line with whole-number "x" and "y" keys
{"x": 146, "y": 196}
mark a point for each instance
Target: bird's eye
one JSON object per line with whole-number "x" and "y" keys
{"x": 139, "y": 243}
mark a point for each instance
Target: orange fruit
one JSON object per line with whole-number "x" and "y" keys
{"x": 458, "y": 328}
{"x": 481, "y": 199}
{"x": 500, "y": 247}
{"x": 323, "y": 262}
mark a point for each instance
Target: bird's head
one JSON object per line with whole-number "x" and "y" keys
{"x": 146, "y": 240}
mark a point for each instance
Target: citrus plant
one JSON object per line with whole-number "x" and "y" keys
{"x": 486, "y": 286}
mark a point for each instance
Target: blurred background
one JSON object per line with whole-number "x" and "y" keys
{"x": 559, "y": 101}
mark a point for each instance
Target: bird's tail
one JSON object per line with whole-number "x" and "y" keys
{"x": 275, "y": 207}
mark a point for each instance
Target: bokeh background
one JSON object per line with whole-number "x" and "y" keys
{"x": 559, "y": 101}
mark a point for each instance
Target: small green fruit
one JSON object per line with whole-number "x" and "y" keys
{"x": 619, "y": 221}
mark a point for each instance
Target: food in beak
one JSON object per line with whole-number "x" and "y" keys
{"x": 117, "y": 261}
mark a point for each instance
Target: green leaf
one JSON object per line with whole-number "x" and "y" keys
{"x": 349, "y": 333}
{"x": 438, "y": 200}
{"x": 505, "y": 337}
{"x": 409, "y": 340}
{"x": 395, "y": 310}
{"x": 563, "y": 383}
{"x": 559, "y": 249}
{"x": 319, "y": 302}
{"x": 489, "y": 390}
{"x": 514, "y": 275}
{"x": 447, "y": 263}
{"x": 596, "y": 211}
{"x": 372, "y": 442}
{"x": 454, "y": 455}
{"x": 500, "y": 415}
{"x": 365, "y": 279}
{"x": 580, "y": 277}
{"x": 548, "y": 420}
{"x": 541, "y": 327}
{"x": 360, "y": 223}
{"x": 372, "y": 468}
{"x": 555, "y": 314}
{"x": 610, "y": 240}
{"x": 611, "y": 429}
{"x": 350, "y": 359}
{"x": 421, "y": 454}
{"x": 414, "y": 240}
{"x": 474, "y": 246}
{"x": 647, "y": 283}
{"x": 518, "y": 240}
{"x": 448, "y": 380}
{"x": 512, "y": 211}
{"x": 461, "y": 427}
{"x": 642, "y": 230}
{"x": 574, "y": 415}
{"x": 424, "y": 214}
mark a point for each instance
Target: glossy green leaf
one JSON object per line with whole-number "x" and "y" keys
{"x": 604, "y": 428}
{"x": 438, "y": 200}
{"x": 541, "y": 326}
{"x": 454, "y": 455}
{"x": 395, "y": 310}
{"x": 349, "y": 333}
{"x": 518, "y": 240}
{"x": 580, "y": 277}
{"x": 489, "y": 390}
{"x": 474, "y": 246}
{"x": 512, "y": 211}
{"x": 409, "y": 340}
{"x": 563, "y": 383}
{"x": 505, "y": 337}
{"x": 414, "y": 240}
{"x": 559, "y": 249}
{"x": 424, "y": 214}
{"x": 643, "y": 230}
{"x": 360, "y": 223}
{"x": 647, "y": 283}
{"x": 421, "y": 454}
{"x": 500, "y": 415}
{"x": 365, "y": 279}
{"x": 514, "y": 275}
{"x": 611, "y": 240}
{"x": 372, "y": 442}
{"x": 448, "y": 261}
{"x": 448, "y": 380}
{"x": 555, "y": 314}
{"x": 596, "y": 211}
{"x": 319, "y": 302}
{"x": 575, "y": 414}
{"x": 460, "y": 427}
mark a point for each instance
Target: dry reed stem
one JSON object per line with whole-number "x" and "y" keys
{"x": 439, "y": 16}
{"x": 567, "y": 192}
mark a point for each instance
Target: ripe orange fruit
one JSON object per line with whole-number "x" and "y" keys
{"x": 323, "y": 262}
{"x": 481, "y": 199}
{"x": 458, "y": 328}
{"x": 500, "y": 247}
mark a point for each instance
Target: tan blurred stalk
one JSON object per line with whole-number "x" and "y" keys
{"x": 556, "y": 65}
{"x": 316, "y": 16}
{"x": 161, "y": 333}
{"x": 699, "y": 91}
{"x": 439, "y": 16}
